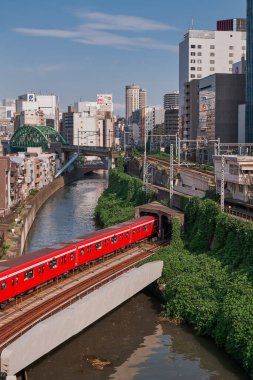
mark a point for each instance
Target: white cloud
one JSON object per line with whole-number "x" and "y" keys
{"x": 99, "y": 34}
{"x": 104, "y": 21}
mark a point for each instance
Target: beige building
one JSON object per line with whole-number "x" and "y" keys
{"x": 238, "y": 177}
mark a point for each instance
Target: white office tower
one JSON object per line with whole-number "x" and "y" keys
{"x": 205, "y": 52}
{"x": 85, "y": 130}
{"x": 171, "y": 100}
{"x": 85, "y": 106}
{"x": 49, "y": 104}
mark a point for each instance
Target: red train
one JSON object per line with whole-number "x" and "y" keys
{"x": 24, "y": 273}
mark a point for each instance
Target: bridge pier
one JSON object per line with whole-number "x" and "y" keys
{"x": 53, "y": 331}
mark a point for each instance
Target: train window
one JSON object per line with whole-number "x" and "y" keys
{"x": 16, "y": 279}
{"x": 99, "y": 245}
{"x": 139, "y": 230}
{"x": 3, "y": 285}
{"x": 89, "y": 249}
{"x": 134, "y": 232}
{"x": 82, "y": 252}
{"x": 53, "y": 264}
{"x": 121, "y": 236}
{"x": 42, "y": 269}
{"x": 156, "y": 223}
{"x": 114, "y": 239}
{"x": 29, "y": 274}
{"x": 72, "y": 256}
{"x": 144, "y": 228}
{"x": 13, "y": 282}
{"x": 127, "y": 234}
{"x": 39, "y": 270}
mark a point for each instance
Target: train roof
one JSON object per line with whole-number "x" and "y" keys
{"x": 33, "y": 256}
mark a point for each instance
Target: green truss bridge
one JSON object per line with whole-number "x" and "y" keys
{"x": 38, "y": 136}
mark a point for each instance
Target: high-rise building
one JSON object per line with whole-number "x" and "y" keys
{"x": 235, "y": 24}
{"x": 204, "y": 52}
{"x": 249, "y": 75}
{"x": 142, "y": 98}
{"x": 136, "y": 98}
{"x": 171, "y": 100}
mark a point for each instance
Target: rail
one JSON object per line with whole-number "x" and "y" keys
{"x": 18, "y": 326}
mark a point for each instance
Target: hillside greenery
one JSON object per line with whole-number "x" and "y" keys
{"x": 119, "y": 200}
{"x": 214, "y": 299}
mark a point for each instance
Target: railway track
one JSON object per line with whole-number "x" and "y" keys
{"x": 80, "y": 286}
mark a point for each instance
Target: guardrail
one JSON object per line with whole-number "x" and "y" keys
{"x": 239, "y": 214}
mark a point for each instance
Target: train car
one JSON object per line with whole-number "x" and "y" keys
{"x": 27, "y": 272}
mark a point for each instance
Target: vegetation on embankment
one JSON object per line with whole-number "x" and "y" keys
{"x": 209, "y": 283}
{"x": 208, "y": 271}
{"x": 118, "y": 201}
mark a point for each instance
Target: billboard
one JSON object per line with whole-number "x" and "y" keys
{"x": 104, "y": 99}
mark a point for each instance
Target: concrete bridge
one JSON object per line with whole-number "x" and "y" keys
{"x": 55, "y": 330}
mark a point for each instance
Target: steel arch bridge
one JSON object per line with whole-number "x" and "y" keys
{"x": 38, "y": 136}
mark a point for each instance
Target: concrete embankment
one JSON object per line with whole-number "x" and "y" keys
{"x": 16, "y": 232}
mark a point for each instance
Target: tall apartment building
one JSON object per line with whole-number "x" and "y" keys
{"x": 136, "y": 98}
{"x": 171, "y": 100}
{"x": 249, "y": 75}
{"x": 204, "y": 52}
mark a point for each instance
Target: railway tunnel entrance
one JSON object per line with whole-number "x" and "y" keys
{"x": 165, "y": 215}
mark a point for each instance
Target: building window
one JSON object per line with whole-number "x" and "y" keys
{"x": 199, "y": 68}
{"x": 193, "y": 54}
{"x": 211, "y": 68}
{"x": 240, "y": 188}
{"x": 243, "y": 47}
{"x": 199, "y": 76}
{"x": 192, "y": 60}
{"x": 212, "y": 47}
{"x": 231, "y": 62}
{"x": 199, "y": 54}
{"x": 233, "y": 169}
{"x": 199, "y": 61}
{"x": 231, "y": 47}
{"x": 193, "y": 68}
{"x": 193, "y": 46}
{"x": 230, "y": 69}
{"x": 231, "y": 55}
{"x": 199, "y": 46}
{"x": 192, "y": 76}
{"x": 212, "y": 54}
{"x": 212, "y": 62}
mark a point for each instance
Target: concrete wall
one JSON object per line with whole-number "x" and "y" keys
{"x": 52, "y": 332}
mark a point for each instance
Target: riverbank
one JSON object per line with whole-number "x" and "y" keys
{"x": 16, "y": 226}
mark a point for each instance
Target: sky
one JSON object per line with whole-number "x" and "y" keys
{"x": 77, "y": 49}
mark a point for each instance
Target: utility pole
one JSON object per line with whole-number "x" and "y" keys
{"x": 222, "y": 185}
{"x": 178, "y": 151}
{"x": 171, "y": 175}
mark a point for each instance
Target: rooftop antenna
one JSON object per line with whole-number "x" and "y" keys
{"x": 192, "y": 26}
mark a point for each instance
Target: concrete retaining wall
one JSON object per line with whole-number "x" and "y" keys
{"x": 30, "y": 211}
{"x": 52, "y": 332}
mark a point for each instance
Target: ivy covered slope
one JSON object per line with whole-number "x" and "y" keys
{"x": 208, "y": 278}
{"x": 118, "y": 201}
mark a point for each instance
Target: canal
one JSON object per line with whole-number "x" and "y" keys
{"x": 133, "y": 341}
